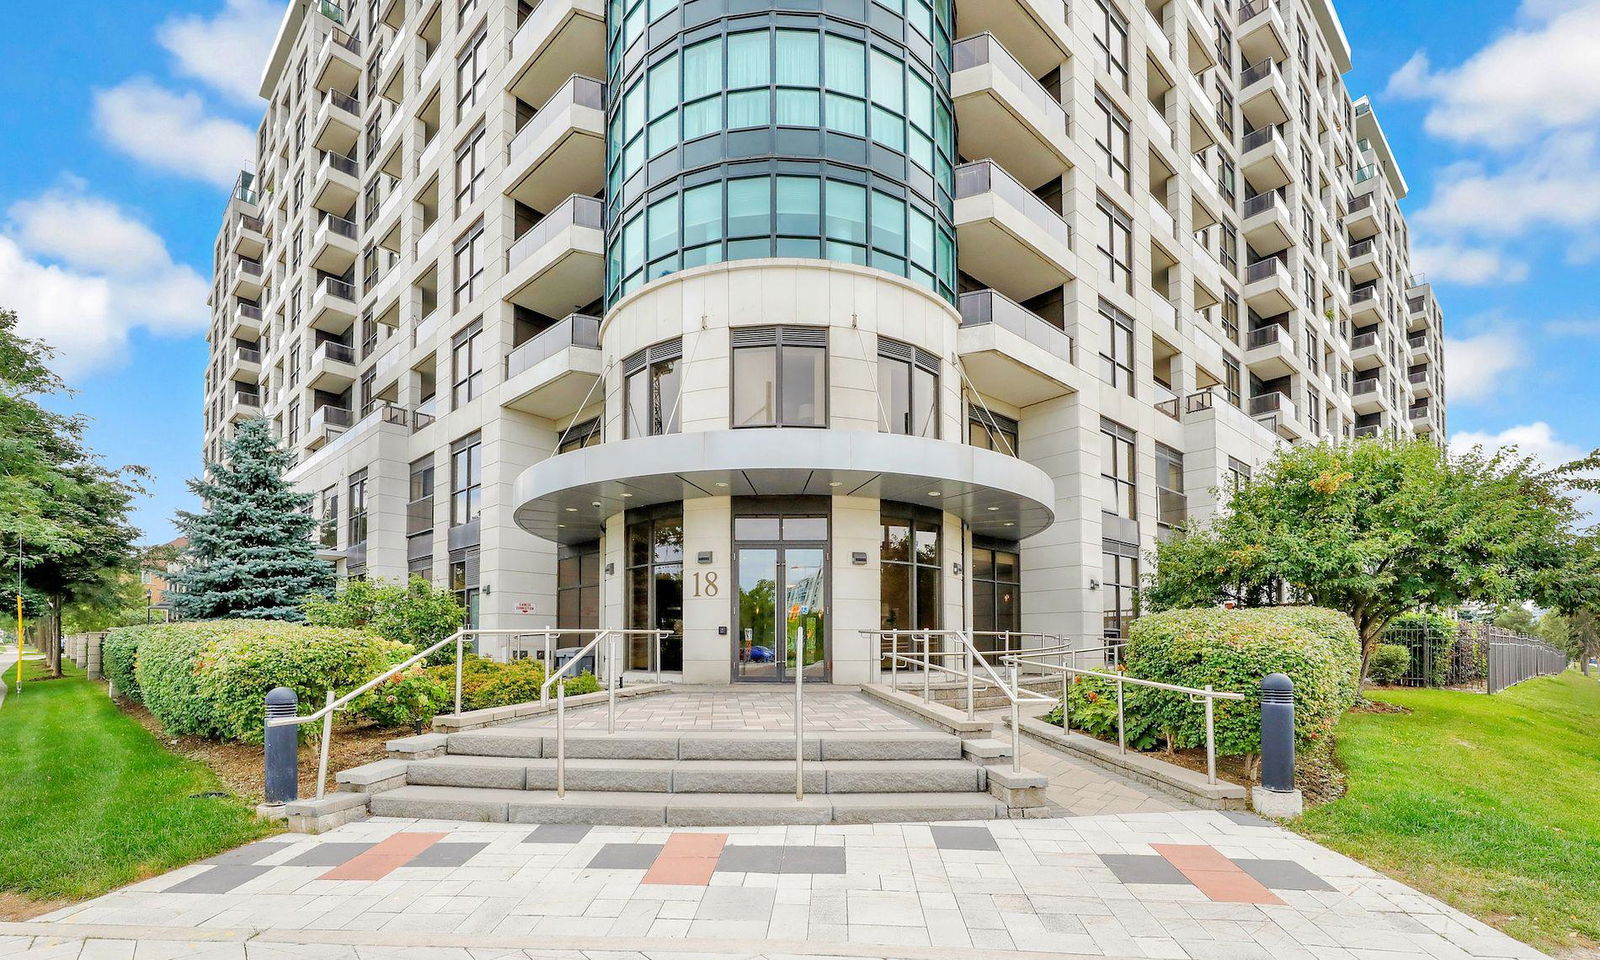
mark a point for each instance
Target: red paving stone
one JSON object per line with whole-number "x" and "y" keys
{"x": 688, "y": 859}
{"x": 1219, "y": 878}
{"x": 378, "y": 862}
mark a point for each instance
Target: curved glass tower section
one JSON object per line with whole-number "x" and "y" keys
{"x": 743, "y": 130}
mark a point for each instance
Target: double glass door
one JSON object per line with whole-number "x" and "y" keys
{"x": 783, "y": 615}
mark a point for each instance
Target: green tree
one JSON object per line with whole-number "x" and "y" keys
{"x": 250, "y": 552}
{"x": 1517, "y": 618}
{"x": 1377, "y": 529}
{"x": 412, "y": 613}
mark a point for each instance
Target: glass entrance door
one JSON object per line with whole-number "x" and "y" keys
{"x": 782, "y": 613}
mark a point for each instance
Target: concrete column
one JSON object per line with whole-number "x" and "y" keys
{"x": 91, "y": 658}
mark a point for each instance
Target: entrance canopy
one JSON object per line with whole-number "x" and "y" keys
{"x": 568, "y": 497}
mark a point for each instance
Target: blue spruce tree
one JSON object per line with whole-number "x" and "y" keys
{"x": 250, "y": 552}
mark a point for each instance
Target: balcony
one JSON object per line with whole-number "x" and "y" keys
{"x": 559, "y": 264}
{"x": 246, "y": 363}
{"x": 1370, "y": 431}
{"x": 1421, "y": 383}
{"x": 1418, "y": 412}
{"x": 1013, "y": 354}
{"x": 1277, "y": 413}
{"x": 335, "y": 184}
{"x": 1365, "y": 264}
{"x": 1366, "y": 395}
{"x": 245, "y": 321}
{"x": 1264, "y": 94}
{"x": 339, "y": 62}
{"x": 562, "y": 149}
{"x": 246, "y": 404}
{"x": 1269, "y": 351}
{"x": 1003, "y": 114}
{"x": 1268, "y": 288}
{"x": 558, "y": 39}
{"x": 249, "y": 238}
{"x": 333, "y": 244}
{"x": 327, "y": 422}
{"x": 1265, "y": 161}
{"x": 332, "y": 368}
{"x": 333, "y": 305}
{"x": 1035, "y": 31}
{"x": 553, "y": 373}
{"x": 1422, "y": 349}
{"x": 1010, "y": 239}
{"x": 338, "y": 124}
{"x": 1366, "y": 350}
{"x": 1268, "y": 223}
{"x": 248, "y": 277}
{"x": 1365, "y": 305}
{"x": 1362, "y": 219}
{"x": 1262, "y": 33}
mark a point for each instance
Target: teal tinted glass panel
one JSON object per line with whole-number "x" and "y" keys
{"x": 888, "y": 82}
{"x": 749, "y": 59}
{"x": 845, "y": 66}
{"x": 663, "y": 227}
{"x": 702, "y": 214}
{"x": 888, "y": 223}
{"x": 797, "y": 62}
{"x": 846, "y": 212}
{"x": 846, "y": 115}
{"x": 799, "y": 206}
{"x": 750, "y": 207}
{"x": 749, "y": 108}
{"x": 702, "y": 69}
{"x": 798, "y": 108}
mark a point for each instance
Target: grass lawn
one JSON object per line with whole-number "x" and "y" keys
{"x": 1491, "y": 804}
{"x": 89, "y": 800}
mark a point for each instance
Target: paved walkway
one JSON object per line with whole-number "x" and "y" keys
{"x": 827, "y": 709}
{"x": 1185, "y": 884}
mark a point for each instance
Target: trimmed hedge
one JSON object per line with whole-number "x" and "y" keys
{"x": 118, "y": 654}
{"x": 489, "y": 683}
{"x": 209, "y": 677}
{"x": 1233, "y": 650}
{"x": 1390, "y": 663}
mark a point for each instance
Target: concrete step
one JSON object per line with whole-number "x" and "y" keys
{"x": 666, "y": 809}
{"x": 539, "y": 742}
{"x": 699, "y": 776}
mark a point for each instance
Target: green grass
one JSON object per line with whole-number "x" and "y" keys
{"x": 1491, "y": 804}
{"x": 89, "y": 800}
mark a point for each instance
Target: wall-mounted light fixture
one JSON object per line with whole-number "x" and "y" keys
{"x": 487, "y": 590}
{"x": 611, "y": 568}
{"x": 1094, "y": 584}
{"x": 955, "y": 568}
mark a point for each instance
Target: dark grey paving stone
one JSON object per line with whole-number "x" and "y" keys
{"x": 963, "y": 838}
{"x": 559, "y": 833}
{"x": 1246, "y": 819}
{"x": 750, "y": 859}
{"x": 626, "y": 856}
{"x": 250, "y": 853}
{"x": 330, "y": 855}
{"x": 1142, "y": 868}
{"x": 1283, "y": 875}
{"x": 813, "y": 860}
{"x": 446, "y": 855}
{"x": 218, "y": 879}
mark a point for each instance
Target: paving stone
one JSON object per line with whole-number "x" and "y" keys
{"x": 329, "y": 855}
{"x": 963, "y": 838}
{"x": 1283, "y": 875}
{"x": 447, "y": 855}
{"x": 219, "y": 879}
{"x": 1142, "y": 868}
{"x": 558, "y": 833}
{"x": 250, "y": 852}
{"x": 626, "y": 856}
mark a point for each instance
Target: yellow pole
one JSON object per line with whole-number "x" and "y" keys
{"x": 19, "y": 642}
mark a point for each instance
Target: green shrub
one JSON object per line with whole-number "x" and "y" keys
{"x": 488, "y": 683}
{"x": 1390, "y": 663}
{"x": 118, "y": 655}
{"x": 410, "y": 698}
{"x": 209, "y": 677}
{"x": 1233, "y": 650}
{"x": 1094, "y": 711}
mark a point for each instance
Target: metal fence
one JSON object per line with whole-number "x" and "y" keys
{"x": 1477, "y": 656}
{"x": 1519, "y": 658}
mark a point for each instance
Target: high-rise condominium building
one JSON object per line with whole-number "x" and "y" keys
{"x": 771, "y": 322}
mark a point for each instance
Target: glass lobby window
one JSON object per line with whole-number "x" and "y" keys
{"x": 1119, "y": 587}
{"x": 651, "y": 387}
{"x": 909, "y": 569}
{"x": 780, "y": 377}
{"x": 655, "y": 586}
{"x": 578, "y": 590}
{"x": 996, "y": 593}
{"x": 908, "y": 390}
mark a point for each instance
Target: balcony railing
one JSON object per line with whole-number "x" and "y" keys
{"x": 1360, "y": 203}
{"x": 1254, "y": 8}
{"x": 1417, "y": 376}
{"x": 1362, "y": 295}
{"x": 250, "y": 268}
{"x": 986, "y": 176}
{"x": 975, "y": 51}
{"x": 578, "y": 91}
{"x": 1366, "y": 172}
{"x": 334, "y": 350}
{"x": 1361, "y": 388}
{"x": 1260, "y": 71}
{"x": 1369, "y": 245}
{"x": 1197, "y": 402}
{"x": 247, "y": 398}
{"x": 1363, "y": 340}
{"x": 249, "y": 311}
{"x": 1270, "y": 402}
{"x": 989, "y": 306}
{"x": 334, "y": 287}
{"x": 339, "y": 225}
{"x": 1259, "y": 137}
{"x": 243, "y": 354}
{"x": 1167, "y": 402}
{"x": 341, "y": 163}
{"x": 348, "y": 41}
{"x": 575, "y": 330}
{"x": 247, "y": 222}
{"x": 1260, "y": 203}
{"x": 1266, "y": 336}
{"x": 576, "y": 211}
{"x": 344, "y": 102}
{"x": 1265, "y": 270}
{"x": 1370, "y": 430}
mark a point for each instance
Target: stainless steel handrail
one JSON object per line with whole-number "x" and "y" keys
{"x": 610, "y": 636}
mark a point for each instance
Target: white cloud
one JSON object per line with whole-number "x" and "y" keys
{"x": 1534, "y": 79}
{"x": 172, "y": 131}
{"x": 82, "y": 273}
{"x": 1555, "y": 185}
{"x": 1478, "y": 365}
{"x": 1466, "y": 265}
{"x": 1537, "y": 440}
{"x": 225, "y": 51}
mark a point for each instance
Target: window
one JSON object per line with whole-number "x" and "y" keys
{"x": 466, "y": 364}
{"x": 1172, "y": 507}
{"x": 1120, "y": 587}
{"x": 654, "y": 584}
{"x": 466, "y": 479}
{"x": 469, "y": 262}
{"x": 1313, "y": 411}
{"x": 1117, "y": 352}
{"x": 1230, "y": 316}
{"x": 909, "y": 568}
{"x": 578, "y": 589}
{"x": 1230, "y": 245}
{"x": 470, "y": 163}
{"x": 464, "y": 567}
{"x": 996, "y": 593}
{"x": 1111, "y": 36}
{"x": 1238, "y": 474}
{"x": 1111, "y": 136}
{"x": 992, "y": 431}
{"x": 1116, "y": 244}
{"x": 329, "y": 529}
{"x": 580, "y": 435}
{"x": 651, "y": 383}
{"x": 1232, "y": 381}
{"x": 358, "y": 508}
{"x": 1119, "y": 468}
{"x": 908, "y": 389}
{"x": 471, "y": 68}
{"x": 780, "y": 377}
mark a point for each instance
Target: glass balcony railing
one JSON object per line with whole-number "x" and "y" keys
{"x": 575, "y": 211}
{"x": 339, "y": 225}
{"x": 988, "y": 306}
{"x": 1365, "y": 173}
{"x": 1261, "y": 203}
{"x": 986, "y": 176}
{"x": 334, "y": 351}
{"x": 1262, "y": 70}
{"x": 575, "y": 330}
{"x": 334, "y": 287}
{"x": 1265, "y": 270}
{"x": 1266, "y": 336}
{"x": 976, "y": 51}
{"x": 341, "y": 163}
{"x": 578, "y": 91}
{"x": 1259, "y": 137}
{"x": 1361, "y": 341}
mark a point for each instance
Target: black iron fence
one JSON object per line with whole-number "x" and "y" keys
{"x": 1474, "y": 656}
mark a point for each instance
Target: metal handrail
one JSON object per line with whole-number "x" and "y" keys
{"x": 610, "y": 636}
{"x": 1208, "y": 696}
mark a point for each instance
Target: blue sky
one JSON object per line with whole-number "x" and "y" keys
{"x": 125, "y": 123}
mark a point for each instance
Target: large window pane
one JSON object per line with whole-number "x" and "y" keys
{"x": 702, "y": 214}
{"x": 755, "y": 386}
{"x": 749, "y": 207}
{"x": 799, "y": 205}
{"x": 663, "y": 220}
{"x": 888, "y": 223}
{"x": 702, "y": 70}
{"x": 888, "y": 82}
{"x": 894, "y": 389}
{"x": 797, "y": 62}
{"x": 845, "y": 64}
{"x": 798, "y": 108}
{"x": 804, "y": 393}
{"x": 846, "y": 212}
{"x": 749, "y": 59}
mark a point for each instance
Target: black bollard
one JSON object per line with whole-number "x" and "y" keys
{"x": 1277, "y": 733}
{"x": 282, "y": 748}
